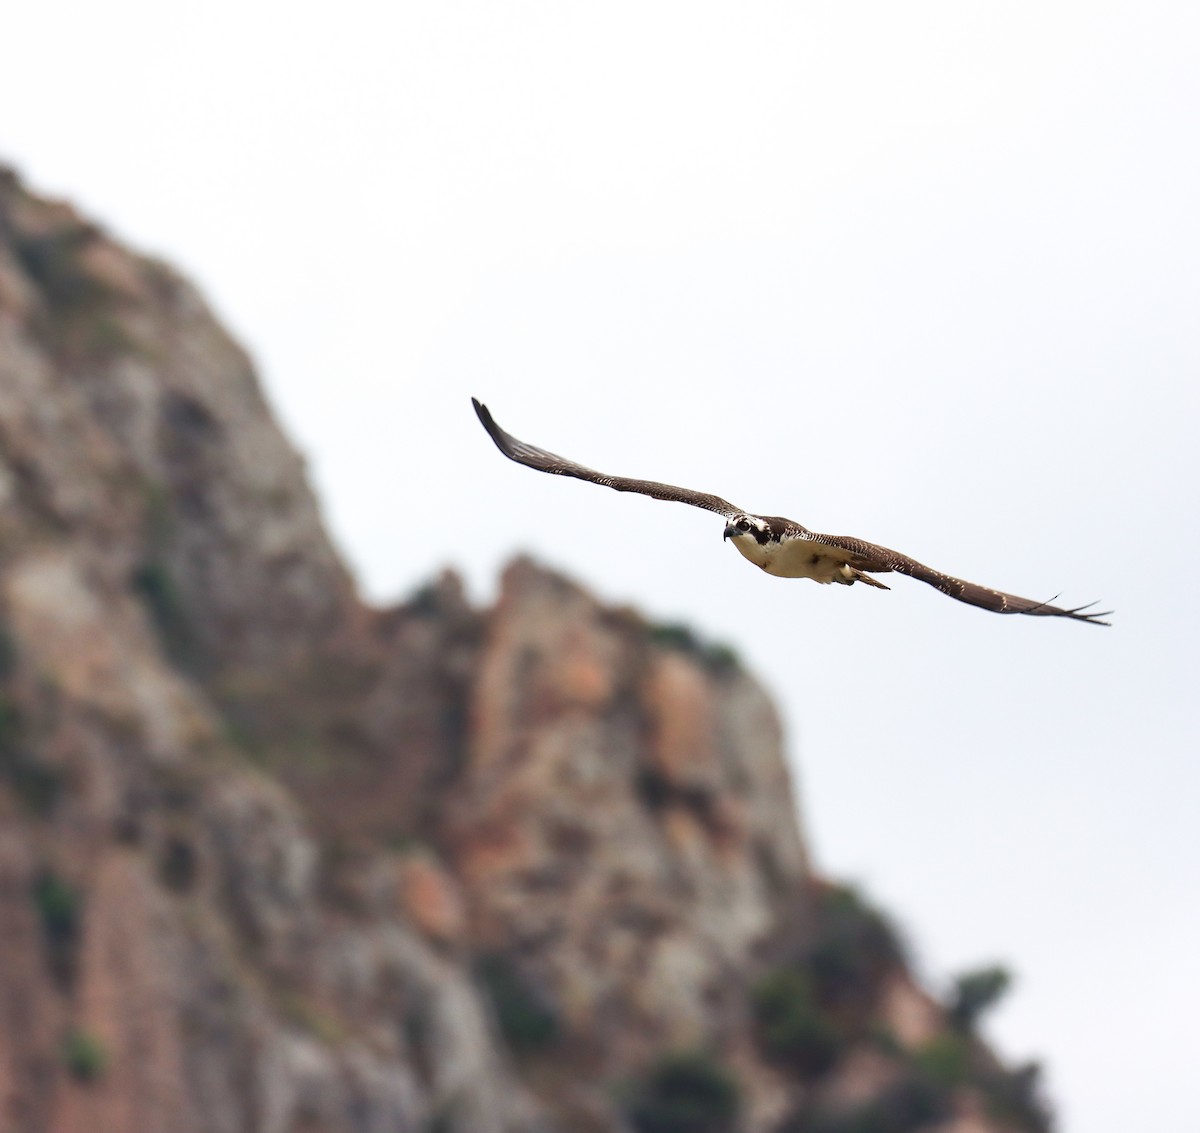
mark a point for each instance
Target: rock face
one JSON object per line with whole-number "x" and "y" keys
{"x": 272, "y": 861}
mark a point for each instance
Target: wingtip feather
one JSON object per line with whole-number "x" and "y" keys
{"x": 485, "y": 419}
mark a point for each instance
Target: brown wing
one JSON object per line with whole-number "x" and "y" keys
{"x": 545, "y": 461}
{"x": 871, "y": 557}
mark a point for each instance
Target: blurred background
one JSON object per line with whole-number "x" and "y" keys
{"x": 925, "y": 274}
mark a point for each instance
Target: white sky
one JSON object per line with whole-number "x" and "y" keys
{"x": 925, "y": 273}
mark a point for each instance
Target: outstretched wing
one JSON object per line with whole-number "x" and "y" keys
{"x": 545, "y": 461}
{"x": 871, "y": 557}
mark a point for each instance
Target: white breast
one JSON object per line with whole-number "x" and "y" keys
{"x": 795, "y": 558}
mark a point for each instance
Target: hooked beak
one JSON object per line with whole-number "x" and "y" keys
{"x": 730, "y": 531}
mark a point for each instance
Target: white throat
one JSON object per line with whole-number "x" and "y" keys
{"x": 759, "y": 554}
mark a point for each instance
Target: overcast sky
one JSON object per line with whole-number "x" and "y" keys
{"x": 926, "y": 273}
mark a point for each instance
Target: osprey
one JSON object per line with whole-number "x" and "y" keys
{"x": 783, "y": 547}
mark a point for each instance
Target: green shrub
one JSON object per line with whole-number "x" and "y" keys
{"x": 424, "y": 601}
{"x": 910, "y": 1104}
{"x": 674, "y": 635}
{"x": 10, "y": 725}
{"x": 177, "y": 865}
{"x": 80, "y": 314}
{"x": 60, "y": 906}
{"x": 60, "y": 910}
{"x": 36, "y": 784}
{"x": 159, "y": 521}
{"x": 84, "y": 1056}
{"x": 884, "y": 1040}
{"x": 946, "y": 1059}
{"x": 976, "y": 993}
{"x": 855, "y": 947}
{"x": 1012, "y": 1097}
{"x": 721, "y": 658}
{"x": 54, "y": 263}
{"x": 153, "y": 584}
{"x": 653, "y": 788}
{"x": 526, "y": 1020}
{"x": 8, "y": 653}
{"x": 686, "y": 1092}
{"x": 716, "y": 657}
{"x": 418, "y": 1035}
{"x": 792, "y": 1029}
{"x": 307, "y": 1014}
{"x": 442, "y": 1117}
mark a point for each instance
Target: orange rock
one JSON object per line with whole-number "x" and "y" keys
{"x": 583, "y": 680}
{"x": 125, "y": 1006}
{"x": 493, "y": 851}
{"x": 685, "y": 833}
{"x": 910, "y": 1013}
{"x": 431, "y": 898}
{"x": 680, "y": 705}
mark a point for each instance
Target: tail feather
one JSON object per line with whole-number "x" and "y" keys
{"x": 860, "y": 577}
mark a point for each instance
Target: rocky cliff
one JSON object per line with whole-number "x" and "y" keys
{"x": 273, "y": 861}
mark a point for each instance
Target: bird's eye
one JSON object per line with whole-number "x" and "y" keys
{"x": 743, "y": 525}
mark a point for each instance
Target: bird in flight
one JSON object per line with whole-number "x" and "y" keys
{"x": 783, "y": 547}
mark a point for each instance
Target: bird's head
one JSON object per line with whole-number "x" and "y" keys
{"x": 750, "y": 526}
